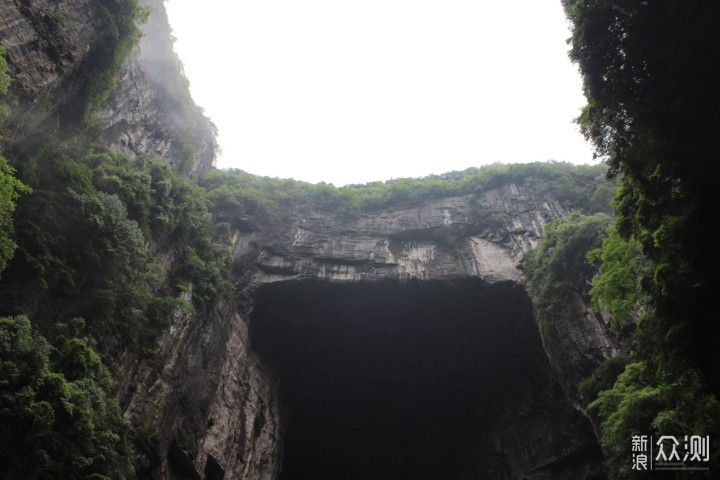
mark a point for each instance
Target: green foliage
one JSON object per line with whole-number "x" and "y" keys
{"x": 648, "y": 401}
{"x": 618, "y": 288}
{"x": 4, "y": 77}
{"x": 86, "y": 239}
{"x": 187, "y": 154}
{"x": 601, "y": 199}
{"x": 120, "y": 33}
{"x": 4, "y": 89}
{"x": 650, "y": 103}
{"x": 647, "y": 88}
{"x": 558, "y": 269}
{"x": 557, "y": 275}
{"x": 10, "y": 190}
{"x": 84, "y": 236}
{"x": 237, "y": 195}
{"x": 650, "y": 72}
{"x": 603, "y": 378}
{"x": 10, "y": 187}
{"x": 574, "y": 185}
{"x": 58, "y": 416}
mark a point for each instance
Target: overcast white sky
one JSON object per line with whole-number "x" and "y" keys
{"x": 351, "y": 91}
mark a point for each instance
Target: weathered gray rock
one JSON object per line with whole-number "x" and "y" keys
{"x": 216, "y": 405}
{"x": 458, "y": 236}
{"x": 205, "y": 401}
{"x": 578, "y": 345}
{"x": 152, "y": 112}
{"x": 48, "y": 44}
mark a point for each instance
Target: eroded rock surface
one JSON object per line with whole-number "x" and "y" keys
{"x": 49, "y": 46}
{"x": 46, "y": 42}
{"x": 208, "y": 405}
{"x": 481, "y": 237}
{"x": 152, "y": 113}
{"x": 462, "y": 360}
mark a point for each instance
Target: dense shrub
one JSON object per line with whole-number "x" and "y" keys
{"x": 236, "y": 194}
{"x": 58, "y": 417}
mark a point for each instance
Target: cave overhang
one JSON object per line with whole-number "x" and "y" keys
{"x": 415, "y": 379}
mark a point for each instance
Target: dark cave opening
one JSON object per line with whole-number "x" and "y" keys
{"x": 419, "y": 380}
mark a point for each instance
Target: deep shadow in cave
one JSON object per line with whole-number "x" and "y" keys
{"x": 419, "y": 380}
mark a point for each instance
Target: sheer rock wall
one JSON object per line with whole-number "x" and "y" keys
{"x": 205, "y": 403}
{"x": 220, "y": 403}
{"x": 152, "y": 114}
{"x": 46, "y": 42}
{"x": 457, "y": 236}
{"x": 48, "y": 45}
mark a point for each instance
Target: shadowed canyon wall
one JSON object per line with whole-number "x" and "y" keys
{"x": 397, "y": 344}
{"x": 427, "y": 380}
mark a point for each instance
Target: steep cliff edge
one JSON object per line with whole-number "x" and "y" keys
{"x": 47, "y": 43}
{"x": 444, "y": 238}
{"x": 396, "y": 275}
{"x": 65, "y": 59}
{"x": 152, "y": 112}
{"x": 398, "y": 341}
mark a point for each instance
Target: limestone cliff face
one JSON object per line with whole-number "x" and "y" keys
{"x": 46, "y": 44}
{"x": 152, "y": 112}
{"x": 205, "y": 404}
{"x": 49, "y": 45}
{"x": 578, "y": 346}
{"x": 483, "y": 237}
{"x": 211, "y": 403}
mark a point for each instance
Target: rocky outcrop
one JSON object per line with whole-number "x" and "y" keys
{"x": 481, "y": 237}
{"x": 46, "y": 42}
{"x": 577, "y": 345}
{"x": 205, "y": 405}
{"x": 152, "y": 112}
{"x": 213, "y": 399}
{"x": 49, "y": 46}
{"x": 446, "y": 316}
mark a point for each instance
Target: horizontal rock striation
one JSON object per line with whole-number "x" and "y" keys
{"x": 210, "y": 402}
{"x": 221, "y": 402}
{"x": 483, "y": 237}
